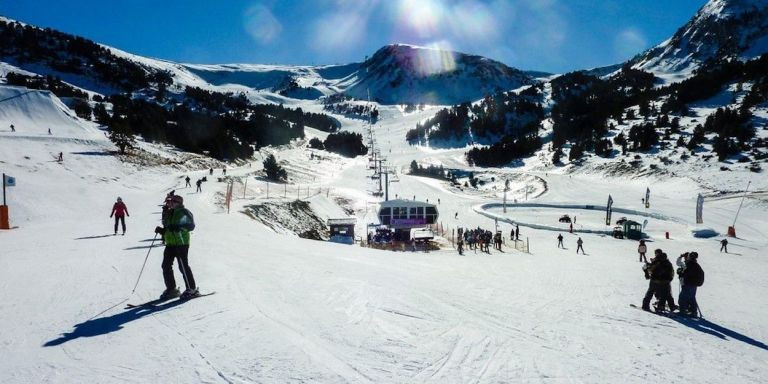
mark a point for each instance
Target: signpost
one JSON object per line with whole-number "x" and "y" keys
{"x": 8, "y": 181}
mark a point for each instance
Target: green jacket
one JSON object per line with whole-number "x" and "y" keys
{"x": 177, "y": 226}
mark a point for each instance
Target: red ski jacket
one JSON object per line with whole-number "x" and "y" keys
{"x": 119, "y": 209}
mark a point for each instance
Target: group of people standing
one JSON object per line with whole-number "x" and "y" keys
{"x": 660, "y": 274}
{"x": 478, "y": 237}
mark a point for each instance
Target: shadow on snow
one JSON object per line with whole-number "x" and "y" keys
{"x": 719, "y": 331}
{"x": 105, "y": 325}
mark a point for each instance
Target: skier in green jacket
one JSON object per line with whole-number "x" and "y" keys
{"x": 175, "y": 232}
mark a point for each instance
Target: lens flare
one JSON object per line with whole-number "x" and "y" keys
{"x": 422, "y": 17}
{"x": 261, "y": 24}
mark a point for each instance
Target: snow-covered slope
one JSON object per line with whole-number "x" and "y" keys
{"x": 401, "y": 73}
{"x": 720, "y": 29}
{"x": 295, "y": 310}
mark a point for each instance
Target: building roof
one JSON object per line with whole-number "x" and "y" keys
{"x": 405, "y": 203}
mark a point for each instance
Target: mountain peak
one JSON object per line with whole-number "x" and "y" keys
{"x": 404, "y": 73}
{"x": 720, "y": 29}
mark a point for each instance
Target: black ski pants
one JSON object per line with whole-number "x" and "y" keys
{"x": 179, "y": 252}
{"x": 120, "y": 219}
{"x": 663, "y": 292}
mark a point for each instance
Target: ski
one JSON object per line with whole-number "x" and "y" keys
{"x": 156, "y": 302}
{"x": 664, "y": 313}
{"x": 150, "y": 303}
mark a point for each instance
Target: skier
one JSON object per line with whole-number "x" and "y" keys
{"x": 119, "y": 211}
{"x": 199, "y": 182}
{"x": 724, "y": 245}
{"x": 517, "y": 232}
{"x": 224, "y": 171}
{"x": 571, "y": 228}
{"x": 187, "y": 179}
{"x": 13, "y": 129}
{"x": 61, "y": 157}
{"x": 210, "y": 172}
{"x": 579, "y": 245}
{"x": 691, "y": 277}
{"x": 560, "y": 241}
{"x": 456, "y": 216}
{"x": 660, "y": 273}
{"x": 49, "y": 131}
{"x": 175, "y": 232}
{"x": 641, "y": 249}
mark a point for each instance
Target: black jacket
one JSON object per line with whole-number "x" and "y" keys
{"x": 692, "y": 274}
{"x": 661, "y": 271}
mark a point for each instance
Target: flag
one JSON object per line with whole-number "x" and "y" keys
{"x": 647, "y": 197}
{"x": 700, "y": 209}
{"x": 608, "y": 210}
{"x": 9, "y": 181}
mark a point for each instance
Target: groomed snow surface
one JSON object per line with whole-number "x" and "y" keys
{"x": 289, "y": 310}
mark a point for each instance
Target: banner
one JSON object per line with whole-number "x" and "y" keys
{"x": 700, "y": 209}
{"x": 647, "y": 197}
{"x": 9, "y": 181}
{"x": 608, "y": 210}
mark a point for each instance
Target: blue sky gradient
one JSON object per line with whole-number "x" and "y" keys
{"x": 546, "y": 35}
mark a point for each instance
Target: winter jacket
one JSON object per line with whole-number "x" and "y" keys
{"x": 177, "y": 227}
{"x": 661, "y": 271}
{"x": 692, "y": 274}
{"x": 119, "y": 209}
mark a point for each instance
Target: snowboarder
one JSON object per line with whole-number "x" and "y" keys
{"x": 724, "y": 245}
{"x": 560, "y": 241}
{"x": 691, "y": 277}
{"x": 187, "y": 179}
{"x": 175, "y": 232}
{"x": 517, "y": 232}
{"x": 119, "y": 211}
{"x": 199, "y": 182}
{"x": 642, "y": 249}
{"x": 660, "y": 273}
{"x": 13, "y": 129}
{"x": 579, "y": 245}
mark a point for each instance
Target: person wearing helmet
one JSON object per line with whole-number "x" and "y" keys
{"x": 175, "y": 231}
{"x": 660, "y": 272}
{"x": 691, "y": 277}
{"x": 119, "y": 211}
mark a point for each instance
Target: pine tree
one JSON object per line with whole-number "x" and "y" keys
{"x": 121, "y": 134}
{"x": 273, "y": 170}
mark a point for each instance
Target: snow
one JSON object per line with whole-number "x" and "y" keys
{"x": 294, "y": 310}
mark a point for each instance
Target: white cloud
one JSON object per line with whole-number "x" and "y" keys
{"x": 629, "y": 43}
{"x": 261, "y": 24}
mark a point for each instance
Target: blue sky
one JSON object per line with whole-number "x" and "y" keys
{"x": 547, "y": 35}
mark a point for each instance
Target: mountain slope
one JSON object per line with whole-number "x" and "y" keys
{"x": 720, "y": 29}
{"x": 400, "y": 73}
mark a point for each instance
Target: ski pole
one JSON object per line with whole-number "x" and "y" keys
{"x": 145, "y": 263}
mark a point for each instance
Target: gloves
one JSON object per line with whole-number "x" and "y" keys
{"x": 160, "y": 230}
